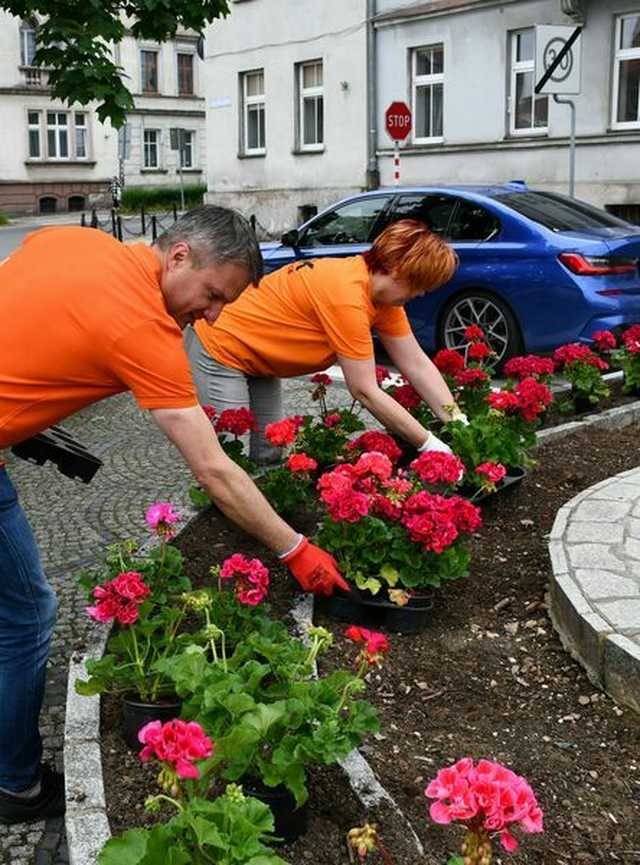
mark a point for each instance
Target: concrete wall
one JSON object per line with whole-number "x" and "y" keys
{"x": 275, "y": 35}
{"x": 477, "y": 146}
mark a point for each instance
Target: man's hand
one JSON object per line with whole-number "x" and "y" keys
{"x": 314, "y": 569}
{"x": 433, "y": 443}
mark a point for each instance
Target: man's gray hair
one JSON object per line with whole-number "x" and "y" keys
{"x": 216, "y": 235}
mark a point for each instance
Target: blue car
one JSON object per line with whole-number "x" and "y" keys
{"x": 537, "y": 269}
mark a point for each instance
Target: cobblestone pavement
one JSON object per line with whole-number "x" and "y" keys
{"x": 73, "y": 523}
{"x": 595, "y": 593}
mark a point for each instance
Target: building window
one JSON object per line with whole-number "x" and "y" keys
{"x": 81, "y": 135}
{"x": 151, "y": 148}
{"x": 57, "y": 135}
{"x": 185, "y": 74}
{"x": 311, "y": 106}
{"x": 27, "y": 43}
{"x": 35, "y": 147}
{"x": 188, "y": 150}
{"x": 253, "y": 113}
{"x": 149, "y": 69}
{"x": 428, "y": 93}
{"x": 528, "y": 113}
{"x": 626, "y": 76}
{"x": 66, "y": 135}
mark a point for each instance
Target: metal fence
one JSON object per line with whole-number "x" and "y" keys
{"x": 138, "y": 225}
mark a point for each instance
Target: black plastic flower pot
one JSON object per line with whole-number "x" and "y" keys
{"x": 136, "y": 713}
{"x": 378, "y": 612}
{"x": 290, "y": 822}
{"x": 514, "y": 476}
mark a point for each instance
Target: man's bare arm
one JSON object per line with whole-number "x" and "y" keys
{"x": 229, "y": 486}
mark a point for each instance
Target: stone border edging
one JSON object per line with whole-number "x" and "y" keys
{"x": 86, "y": 820}
{"x": 362, "y": 778}
{"x": 86, "y": 817}
{"x": 610, "y": 658}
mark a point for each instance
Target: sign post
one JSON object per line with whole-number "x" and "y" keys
{"x": 397, "y": 121}
{"x": 557, "y": 71}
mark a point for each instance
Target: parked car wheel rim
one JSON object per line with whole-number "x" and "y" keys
{"x": 483, "y": 312}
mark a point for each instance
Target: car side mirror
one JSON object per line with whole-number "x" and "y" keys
{"x": 291, "y": 238}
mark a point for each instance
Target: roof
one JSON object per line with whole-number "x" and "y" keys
{"x": 431, "y": 7}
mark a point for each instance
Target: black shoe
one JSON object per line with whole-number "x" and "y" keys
{"x": 50, "y": 801}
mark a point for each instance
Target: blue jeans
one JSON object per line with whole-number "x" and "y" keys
{"x": 27, "y": 617}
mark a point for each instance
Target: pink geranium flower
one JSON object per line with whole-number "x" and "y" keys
{"x": 118, "y": 600}
{"x": 161, "y": 517}
{"x": 491, "y": 473}
{"x": 332, "y": 420}
{"x": 488, "y": 798}
{"x": 437, "y": 467}
{"x": 251, "y": 578}
{"x": 375, "y": 645}
{"x": 178, "y": 743}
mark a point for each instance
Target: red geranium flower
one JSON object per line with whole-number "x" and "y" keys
{"x": 301, "y": 463}
{"x": 471, "y": 377}
{"x": 479, "y": 351}
{"x": 533, "y": 398}
{"x": 473, "y": 333}
{"x": 332, "y": 420}
{"x": 210, "y": 412}
{"x": 374, "y": 440}
{"x": 604, "y": 340}
{"x": 490, "y": 472}
{"x": 448, "y": 361}
{"x": 321, "y": 378}
{"x": 382, "y": 373}
{"x": 407, "y": 396}
{"x": 503, "y": 400}
{"x": 577, "y": 352}
{"x": 529, "y": 366}
{"x": 237, "y": 421}
{"x": 375, "y": 646}
{"x": 281, "y": 433}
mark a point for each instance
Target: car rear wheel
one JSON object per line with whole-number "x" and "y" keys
{"x": 491, "y": 314}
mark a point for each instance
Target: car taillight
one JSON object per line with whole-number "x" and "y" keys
{"x": 588, "y": 265}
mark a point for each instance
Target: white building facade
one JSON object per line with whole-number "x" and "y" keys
{"x": 56, "y": 157}
{"x": 286, "y": 107}
{"x": 466, "y": 69}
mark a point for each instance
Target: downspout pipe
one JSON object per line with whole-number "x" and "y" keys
{"x": 373, "y": 173}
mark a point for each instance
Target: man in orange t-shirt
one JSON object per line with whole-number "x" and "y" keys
{"x": 83, "y": 317}
{"x": 310, "y": 314}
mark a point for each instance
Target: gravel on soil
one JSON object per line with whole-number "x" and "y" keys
{"x": 489, "y": 678}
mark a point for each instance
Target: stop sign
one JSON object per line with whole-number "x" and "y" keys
{"x": 397, "y": 120}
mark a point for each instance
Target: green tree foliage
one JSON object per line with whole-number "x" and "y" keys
{"x": 76, "y": 39}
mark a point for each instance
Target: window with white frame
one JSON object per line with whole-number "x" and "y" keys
{"x": 80, "y": 122}
{"x": 151, "y": 148}
{"x": 253, "y": 113}
{"x": 34, "y": 134}
{"x": 57, "y": 135}
{"x": 27, "y": 43}
{"x": 188, "y": 149}
{"x": 626, "y": 74}
{"x": 149, "y": 71}
{"x": 311, "y": 105}
{"x": 528, "y": 113}
{"x": 427, "y": 76}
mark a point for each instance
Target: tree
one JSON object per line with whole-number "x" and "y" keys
{"x": 76, "y": 37}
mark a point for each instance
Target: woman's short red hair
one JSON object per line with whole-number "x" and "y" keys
{"x": 407, "y": 250}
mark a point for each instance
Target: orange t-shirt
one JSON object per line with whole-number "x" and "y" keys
{"x": 82, "y": 317}
{"x": 299, "y": 318}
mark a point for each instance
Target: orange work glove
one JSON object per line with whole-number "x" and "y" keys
{"x": 315, "y": 570}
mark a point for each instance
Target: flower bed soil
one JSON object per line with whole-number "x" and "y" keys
{"x": 488, "y": 679}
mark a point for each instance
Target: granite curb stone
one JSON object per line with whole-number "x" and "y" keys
{"x": 594, "y": 595}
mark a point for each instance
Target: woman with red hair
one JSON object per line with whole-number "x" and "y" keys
{"x": 317, "y": 312}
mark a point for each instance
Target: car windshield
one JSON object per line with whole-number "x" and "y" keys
{"x": 559, "y": 213}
